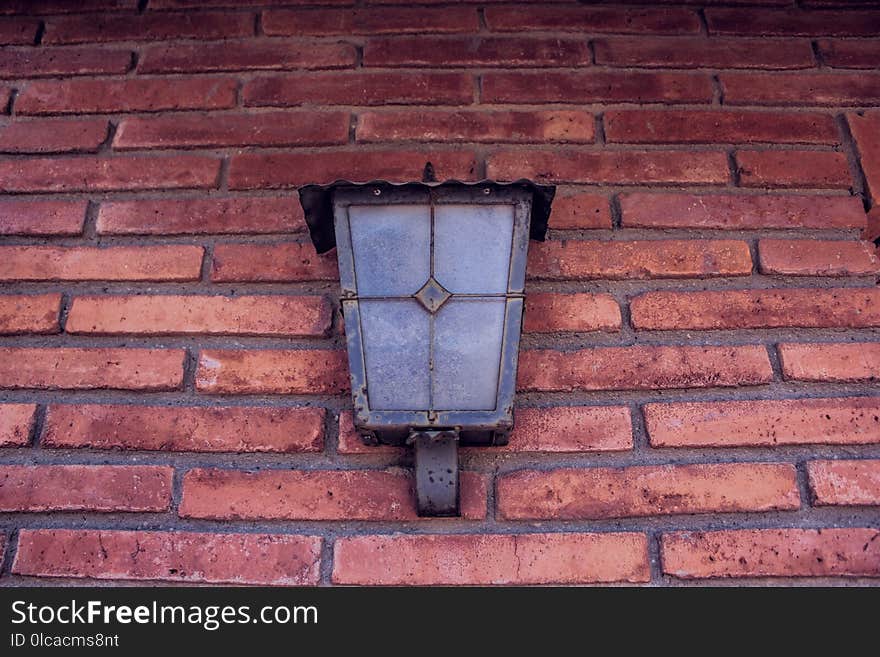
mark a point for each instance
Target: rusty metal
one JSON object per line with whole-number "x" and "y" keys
{"x": 436, "y": 460}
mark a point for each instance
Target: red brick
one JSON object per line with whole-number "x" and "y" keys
{"x": 51, "y": 62}
{"x": 82, "y": 369}
{"x": 612, "y": 167}
{"x": 578, "y": 210}
{"x": 871, "y": 231}
{"x": 575, "y": 87}
{"x": 772, "y": 553}
{"x": 738, "y": 212}
{"x": 866, "y": 131}
{"x": 16, "y": 423}
{"x": 748, "y": 309}
{"x": 547, "y": 312}
{"x": 849, "y": 483}
{"x": 102, "y": 488}
{"x": 94, "y": 173}
{"x": 288, "y": 262}
{"x": 798, "y": 89}
{"x": 595, "y": 493}
{"x": 576, "y": 259}
{"x": 793, "y": 169}
{"x": 710, "y": 127}
{"x": 355, "y": 88}
{"x": 476, "y": 51}
{"x": 643, "y": 368}
{"x": 699, "y": 52}
{"x": 314, "y": 495}
{"x": 259, "y": 170}
{"x": 184, "y": 429}
{"x": 493, "y": 127}
{"x": 344, "y": 22}
{"x": 300, "y": 371}
{"x": 846, "y": 53}
{"x": 194, "y": 216}
{"x": 189, "y": 4}
{"x": 30, "y": 313}
{"x": 169, "y": 556}
{"x": 64, "y": 6}
{"x": 818, "y": 258}
{"x": 292, "y": 316}
{"x": 566, "y": 558}
{"x": 791, "y": 22}
{"x": 245, "y": 55}
{"x": 148, "y": 27}
{"x": 264, "y": 129}
{"x": 53, "y": 136}
{"x": 591, "y": 19}
{"x": 126, "y": 95}
{"x": 18, "y": 31}
{"x": 831, "y": 362}
{"x": 87, "y": 263}
{"x": 764, "y": 423}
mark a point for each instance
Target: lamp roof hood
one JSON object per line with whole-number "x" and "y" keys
{"x": 317, "y": 204}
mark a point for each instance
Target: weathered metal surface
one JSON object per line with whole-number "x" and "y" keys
{"x": 436, "y": 459}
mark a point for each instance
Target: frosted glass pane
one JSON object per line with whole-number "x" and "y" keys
{"x": 467, "y": 350}
{"x": 472, "y": 247}
{"x": 392, "y": 248}
{"x": 396, "y": 345}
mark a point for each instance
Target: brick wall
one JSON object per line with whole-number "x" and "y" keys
{"x": 698, "y": 393}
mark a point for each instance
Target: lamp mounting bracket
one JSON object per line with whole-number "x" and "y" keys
{"x": 436, "y": 460}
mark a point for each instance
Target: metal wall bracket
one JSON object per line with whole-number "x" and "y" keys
{"x": 436, "y": 459}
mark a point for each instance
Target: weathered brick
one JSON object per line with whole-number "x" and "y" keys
{"x": 791, "y": 22}
{"x": 831, "y": 362}
{"x": 126, "y": 95}
{"x": 582, "y": 18}
{"x": 87, "y": 263}
{"x": 33, "y": 313}
{"x": 184, "y": 429}
{"x": 355, "y": 88}
{"x": 286, "y": 262}
{"x": 577, "y": 259}
{"x": 16, "y": 424}
{"x": 438, "y": 52}
{"x": 713, "y": 127}
{"x": 739, "y": 212}
{"x": 65, "y": 6}
{"x": 848, "y": 53}
{"x": 92, "y": 173}
{"x": 53, "y": 136}
{"x": 186, "y": 4}
{"x": 51, "y": 62}
{"x": 148, "y": 27}
{"x": 866, "y": 131}
{"x": 753, "y": 423}
{"x": 315, "y": 495}
{"x": 566, "y": 558}
{"x": 793, "y": 169}
{"x": 344, "y": 22}
{"x": 300, "y": 371}
{"x": 245, "y": 55}
{"x": 595, "y": 87}
{"x": 818, "y": 258}
{"x": 80, "y": 369}
{"x": 259, "y": 170}
{"x": 193, "y": 216}
{"x": 771, "y": 553}
{"x": 643, "y": 368}
{"x": 796, "y": 89}
{"x": 169, "y": 556}
{"x": 612, "y": 167}
{"x": 871, "y": 231}
{"x": 595, "y": 493}
{"x": 748, "y": 309}
{"x": 578, "y": 210}
{"x": 18, "y": 31}
{"x": 547, "y": 312}
{"x": 101, "y": 488}
{"x": 293, "y": 316}
{"x": 698, "y": 52}
{"x": 850, "y": 483}
{"x": 445, "y": 126}
{"x": 264, "y": 129}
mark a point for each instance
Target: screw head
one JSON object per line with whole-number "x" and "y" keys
{"x": 377, "y": 192}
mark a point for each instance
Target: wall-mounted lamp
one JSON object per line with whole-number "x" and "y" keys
{"x": 432, "y": 278}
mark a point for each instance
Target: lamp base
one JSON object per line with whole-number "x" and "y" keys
{"x": 436, "y": 460}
